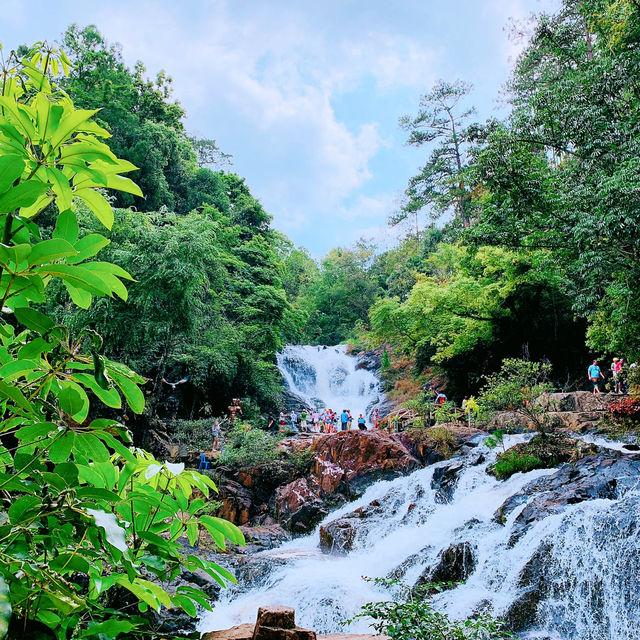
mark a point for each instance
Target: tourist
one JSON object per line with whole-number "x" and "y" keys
{"x": 283, "y": 417}
{"x": 594, "y": 374}
{"x": 315, "y": 419}
{"x": 362, "y": 423}
{"x": 294, "y": 420}
{"x": 350, "y": 421}
{"x": 344, "y": 420}
{"x": 376, "y": 418}
{"x": 615, "y": 368}
{"x": 270, "y": 423}
{"x": 303, "y": 420}
{"x": 440, "y": 399}
{"x": 215, "y": 432}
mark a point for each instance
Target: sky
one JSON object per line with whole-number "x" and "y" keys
{"x": 305, "y": 95}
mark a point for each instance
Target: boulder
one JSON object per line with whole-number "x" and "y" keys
{"x": 337, "y": 536}
{"x": 454, "y": 564}
{"x": 278, "y": 623}
{"x": 522, "y": 612}
{"x": 292, "y": 401}
{"x": 444, "y": 481}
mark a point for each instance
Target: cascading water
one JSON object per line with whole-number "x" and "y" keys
{"x": 327, "y": 377}
{"x": 587, "y": 553}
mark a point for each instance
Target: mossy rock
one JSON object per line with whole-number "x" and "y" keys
{"x": 543, "y": 451}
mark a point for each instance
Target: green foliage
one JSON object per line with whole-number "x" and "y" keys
{"x": 517, "y": 387}
{"x": 446, "y": 412}
{"x": 496, "y": 439}
{"x": 87, "y": 520}
{"x": 440, "y": 186}
{"x": 412, "y": 615}
{"x": 511, "y": 462}
{"x": 246, "y": 447}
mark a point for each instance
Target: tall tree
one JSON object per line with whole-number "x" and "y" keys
{"x": 442, "y": 123}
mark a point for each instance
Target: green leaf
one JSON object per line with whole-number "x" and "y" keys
{"x": 33, "y": 319}
{"x": 230, "y": 531}
{"x": 79, "y": 296}
{"x": 61, "y": 448}
{"x": 110, "y": 397}
{"x": 69, "y": 123}
{"x": 49, "y": 250}
{"x": 5, "y": 607}
{"x": 70, "y": 400}
{"x": 11, "y": 168}
{"x": 130, "y": 390}
{"x": 186, "y": 604}
{"x": 62, "y": 189}
{"x": 108, "y": 629}
{"x": 16, "y": 369}
{"x": 19, "y": 510}
{"x": 76, "y": 276}
{"x": 67, "y": 228}
{"x": 22, "y": 195}
{"x": 88, "y": 246}
{"x": 89, "y": 446}
{"x": 96, "y": 203}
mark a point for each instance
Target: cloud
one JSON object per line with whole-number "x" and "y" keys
{"x": 280, "y": 78}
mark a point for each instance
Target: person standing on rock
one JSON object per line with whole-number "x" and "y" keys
{"x": 303, "y": 420}
{"x": 315, "y": 420}
{"x": 594, "y": 374}
{"x": 376, "y": 418}
{"x": 294, "y": 420}
{"x": 215, "y": 433}
{"x": 344, "y": 420}
{"x": 362, "y": 423}
{"x": 350, "y": 421}
{"x": 283, "y": 417}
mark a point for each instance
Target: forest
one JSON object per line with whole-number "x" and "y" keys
{"x": 521, "y": 242}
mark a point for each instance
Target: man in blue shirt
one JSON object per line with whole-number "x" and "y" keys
{"x": 594, "y": 374}
{"x": 344, "y": 418}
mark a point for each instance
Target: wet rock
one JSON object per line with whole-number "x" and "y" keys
{"x": 267, "y": 536}
{"x": 454, "y": 564}
{"x": 337, "y": 536}
{"x": 236, "y": 501}
{"x": 523, "y": 611}
{"x": 603, "y": 475}
{"x": 292, "y": 401}
{"x": 444, "y": 481}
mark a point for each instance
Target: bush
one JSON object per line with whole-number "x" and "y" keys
{"x": 517, "y": 387}
{"x": 624, "y": 415}
{"x": 443, "y": 440}
{"x": 511, "y": 462}
{"x": 413, "y": 616}
{"x": 247, "y": 447}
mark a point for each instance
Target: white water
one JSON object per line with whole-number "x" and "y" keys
{"x": 329, "y": 378}
{"x": 591, "y": 567}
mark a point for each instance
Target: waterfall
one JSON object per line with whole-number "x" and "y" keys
{"x": 586, "y": 555}
{"x": 329, "y": 377}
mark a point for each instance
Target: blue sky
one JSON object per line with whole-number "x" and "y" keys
{"x": 304, "y": 94}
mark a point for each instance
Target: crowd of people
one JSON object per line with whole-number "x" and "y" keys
{"x": 322, "y": 421}
{"x": 619, "y": 375}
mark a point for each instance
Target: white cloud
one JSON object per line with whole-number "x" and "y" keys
{"x": 281, "y": 76}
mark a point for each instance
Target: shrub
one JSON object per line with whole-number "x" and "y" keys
{"x": 511, "y": 462}
{"x": 517, "y": 388}
{"x": 246, "y": 447}
{"x": 624, "y": 415}
{"x": 443, "y": 439}
{"x": 447, "y": 412}
{"x": 413, "y": 616}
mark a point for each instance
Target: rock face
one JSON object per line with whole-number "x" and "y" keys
{"x": 454, "y": 564}
{"x": 343, "y": 466}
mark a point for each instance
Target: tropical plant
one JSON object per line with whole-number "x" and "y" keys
{"x": 412, "y": 616}
{"x": 88, "y": 524}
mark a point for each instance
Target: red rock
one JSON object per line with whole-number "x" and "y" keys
{"x": 241, "y": 632}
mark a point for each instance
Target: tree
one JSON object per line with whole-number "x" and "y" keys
{"x": 88, "y": 520}
{"x": 440, "y": 185}
{"x": 518, "y": 387}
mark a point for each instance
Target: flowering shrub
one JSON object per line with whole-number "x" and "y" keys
{"x": 626, "y": 408}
